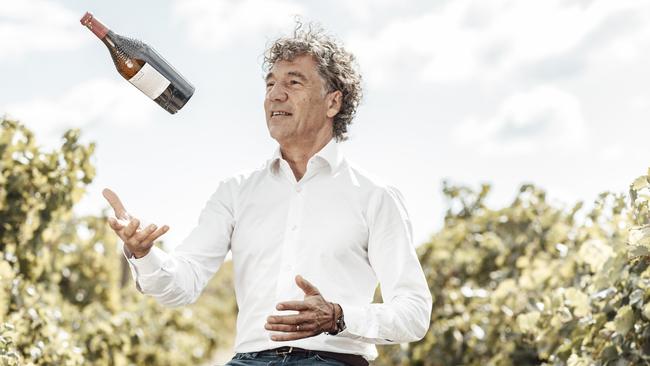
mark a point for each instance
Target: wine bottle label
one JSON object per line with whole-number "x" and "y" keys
{"x": 150, "y": 81}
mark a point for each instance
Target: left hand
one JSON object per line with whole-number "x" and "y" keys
{"x": 315, "y": 315}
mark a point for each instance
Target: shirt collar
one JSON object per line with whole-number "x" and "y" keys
{"x": 330, "y": 154}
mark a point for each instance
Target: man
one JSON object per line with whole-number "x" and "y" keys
{"x": 310, "y": 234}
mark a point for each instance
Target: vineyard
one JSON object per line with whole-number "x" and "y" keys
{"x": 525, "y": 284}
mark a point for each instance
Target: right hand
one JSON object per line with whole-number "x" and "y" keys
{"x": 137, "y": 239}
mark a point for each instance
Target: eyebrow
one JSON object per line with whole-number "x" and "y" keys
{"x": 297, "y": 74}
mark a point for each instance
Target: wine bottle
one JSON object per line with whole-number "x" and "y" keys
{"x": 143, "y": 67}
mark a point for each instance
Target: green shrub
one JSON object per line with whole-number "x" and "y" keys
{"x": 534, "y": 284}
{"x": 66, "y": 297}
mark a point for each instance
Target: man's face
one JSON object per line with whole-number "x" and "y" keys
{"x": 297, "y": 106}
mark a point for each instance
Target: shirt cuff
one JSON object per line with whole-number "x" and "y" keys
{"x": 357, "y": 323}
{"x": 148, "y": 264}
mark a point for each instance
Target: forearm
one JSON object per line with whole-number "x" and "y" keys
{"x": 172, "y": 279}
{"x": 406, "y": 312}
{"x": 402, "y": 320}
{"x": 179, "y": 278}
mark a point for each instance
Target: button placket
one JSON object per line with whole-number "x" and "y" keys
{"x": 287, "y": 273}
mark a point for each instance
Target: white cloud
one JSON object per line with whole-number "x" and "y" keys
{"x": 544, "y": 119}
{"x": 611, "y": 153}
{"x": 215, "y": 24}
{"x": 366, "y": 10}
{"x": 640, "y": 102}
{"x": 37, "y": 25}
{"x": 100, "y": 101}
{"x": 488, "y": 39}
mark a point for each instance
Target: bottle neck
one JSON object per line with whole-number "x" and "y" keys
{"x": 94, "y": 25}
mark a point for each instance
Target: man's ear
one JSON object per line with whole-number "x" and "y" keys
{"x": 334, "y": 102}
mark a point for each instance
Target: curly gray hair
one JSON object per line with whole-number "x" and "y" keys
{"x": 336, "y": 66}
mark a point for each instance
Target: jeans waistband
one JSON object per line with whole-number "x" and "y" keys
{"x": 349, "y": 359}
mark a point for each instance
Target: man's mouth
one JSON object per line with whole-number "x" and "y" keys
{"x": 280, "y": 113}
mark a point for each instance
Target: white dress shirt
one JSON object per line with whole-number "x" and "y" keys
{"x": 337, "y": 227}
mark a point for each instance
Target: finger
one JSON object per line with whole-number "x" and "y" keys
{"x": 118, "y": 227}
{"x": 156, "y": 234}
{"x": 131, "y": 228}
{"x": 306, "y": 286}
{"x": 115, "y": 203}
{"x": 143, "y": 247}
{"x": 141, "y": 235}
{"x": 148, "y": 242}
{"x": 115, "y": 224}
{"x": 293, "y": 336}
{"x": 291, "y": 328}
{"x": 288, "y": 319}
{"x": 293, "y": 305}
{"x": 118, "y": 222}
{"x": 135, "y": 239}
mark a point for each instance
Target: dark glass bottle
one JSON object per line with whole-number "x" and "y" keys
{"x": 143, "y": 67}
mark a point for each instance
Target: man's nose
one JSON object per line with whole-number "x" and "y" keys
{"x": 277, "y": 93}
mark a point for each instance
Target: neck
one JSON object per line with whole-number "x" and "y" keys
{"x": 298, "y": 154}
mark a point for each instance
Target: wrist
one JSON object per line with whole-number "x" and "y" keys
{"x": 339, "y": 315}
{"x": 337, "y": 325}
{"x": 138, "y": 255}
{"x": 336, "y": 309}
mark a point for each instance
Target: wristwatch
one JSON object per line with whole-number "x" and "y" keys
{"x": 340, "y": 324}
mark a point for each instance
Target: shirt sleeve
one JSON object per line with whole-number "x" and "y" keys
{"x": 178, "y": 278}
{"x": 406, "y": 312}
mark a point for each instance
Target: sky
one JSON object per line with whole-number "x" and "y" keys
{"x": 485, "y": 91}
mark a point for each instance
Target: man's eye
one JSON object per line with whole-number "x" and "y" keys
{"x": 268, "y": 85}
{"x": 295, "y": 82}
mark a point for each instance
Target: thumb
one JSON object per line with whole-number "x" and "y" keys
{"x": 306, "y": 286}
{"x": 116, "y": 204}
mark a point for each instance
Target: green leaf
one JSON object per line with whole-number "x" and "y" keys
{"x": 640, "y": 183}
{"x": 624, "y": 320}
{"x": 639, "y": 235}
{"x": 595, "y": 252}
{"x": 528, "y": 322}
{"x": 579, "y": 301}
{"x": 646, "y": 311}
{"x": 575, "y": 360}
{"x": 638, "y": 251}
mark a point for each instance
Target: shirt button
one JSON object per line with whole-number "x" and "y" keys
{"x": 294, "y": 227}
{"x": 298, "y": 189}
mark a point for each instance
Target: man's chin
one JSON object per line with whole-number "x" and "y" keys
{"x": 277, "y": 131}
{"x": 283, "y": 140}
{"x": 277, "y": 134}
